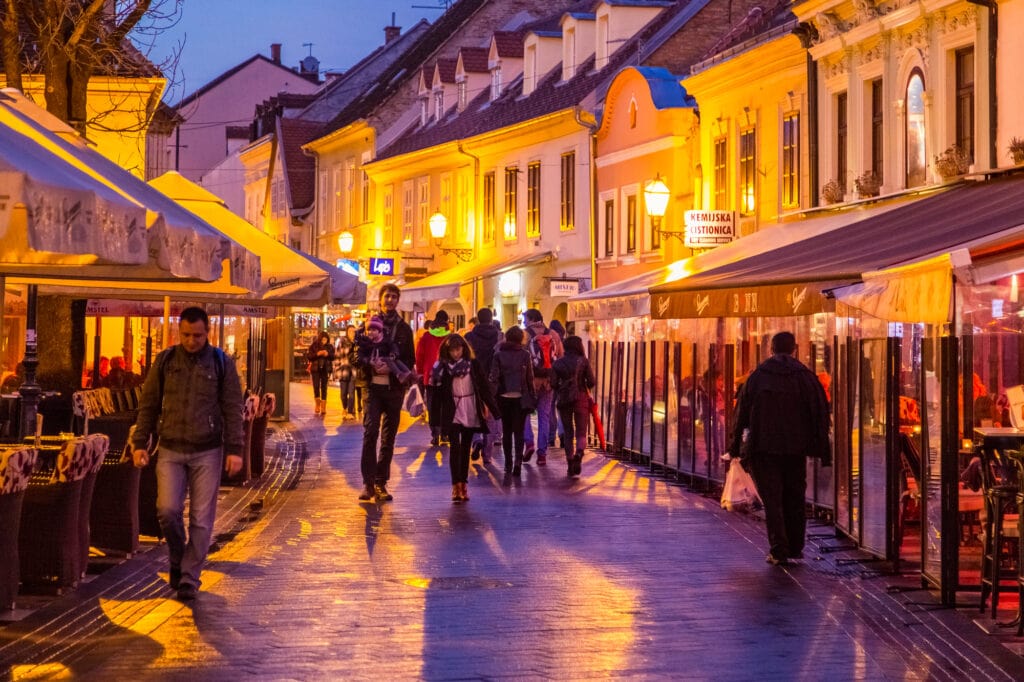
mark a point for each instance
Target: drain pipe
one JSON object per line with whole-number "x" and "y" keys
{"x": 591, "y": 127}
{"x": 993, "y": 102}
{"x": 807, "y": 33}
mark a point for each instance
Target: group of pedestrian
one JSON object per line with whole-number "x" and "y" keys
{"x": 190, "y": 418}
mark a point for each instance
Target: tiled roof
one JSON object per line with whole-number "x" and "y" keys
{"x": 446, "y": 70}
{"x": 482, "y": 115}
{"x": 299, "y": 168}
{"x": 759, "y": 20}
{"x": 474, "y": 59}
{"x": 226, "y": 75}
{"x": 509, "y": 44}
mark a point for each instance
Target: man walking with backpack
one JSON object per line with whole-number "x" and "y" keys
{"x": 545, "y": 347}
{"x": 192, "y": 402}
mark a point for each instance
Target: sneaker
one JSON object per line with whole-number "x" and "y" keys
{"x": 367, "y": 493}
{"x": 175, "y": 577}
{"x": 528, "y": 453}
{"x": 435, "y": 441}
{"x": 475, "y": 451}
{"x": 187, "y": 592}
{"x": 776, "y": 561}
{"x": 381, "y": 489}
{"x": 542, "y": 460}
{"x": 456, "y": 492}
{"x": 465, "y": 492}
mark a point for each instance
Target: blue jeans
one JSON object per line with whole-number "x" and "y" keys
{"x": 198, "y": 475}
{"x": 544, "y": 400}
{"x": 382, "y": 411}
{"x": 486, "y": 440}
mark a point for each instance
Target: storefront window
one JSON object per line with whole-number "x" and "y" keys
{"x": 917, "y": 161}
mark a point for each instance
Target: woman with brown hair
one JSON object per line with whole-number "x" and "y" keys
{"x": 462, "y": 401}
{"x": 511, "y": 379}
{"x": 321, "y": 363}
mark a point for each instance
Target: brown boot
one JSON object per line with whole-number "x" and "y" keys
{"x": 465, "y": 492}
{"x": 456, "y": 492}
{"x": 316, "y": 408}
{"x": 323, "y": 408}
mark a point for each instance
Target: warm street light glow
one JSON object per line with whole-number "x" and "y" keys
{"x": 345, "y": 242}
{"x": 438, "y": 225}
{"x": 656, "y": 195}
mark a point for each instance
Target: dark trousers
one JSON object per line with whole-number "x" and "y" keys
{"x": 575, "y": 422}
{"x": 382, "y": 410}
{"x": 512, "y": 420}
{"x": 782, "y": 484}
{"x": 349, "y": 395}
{"x": 458, "y": 452}
{"x": 319, "y": 384}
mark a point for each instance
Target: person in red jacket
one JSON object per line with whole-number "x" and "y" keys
{"x": 427, "y": 350}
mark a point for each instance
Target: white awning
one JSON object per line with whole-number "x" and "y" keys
{"x": 446, "y": 284}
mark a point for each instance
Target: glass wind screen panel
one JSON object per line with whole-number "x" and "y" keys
{"x": 871, "y": 471}
{"x": 847, "y": 434}
{"x": 910, "y": 444}
{"x": 931, "y": 464}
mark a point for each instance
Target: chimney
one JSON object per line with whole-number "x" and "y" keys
{"x": 275, "y": 52}
{"x": 391, "y": 32}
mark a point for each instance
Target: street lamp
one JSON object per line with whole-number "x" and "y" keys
{"x": 656, "y": 196}
{"x": 345, "y": 242}
{"x": 438, "y": 228}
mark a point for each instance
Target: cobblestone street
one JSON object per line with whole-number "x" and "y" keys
{"x": 615, "y": 575}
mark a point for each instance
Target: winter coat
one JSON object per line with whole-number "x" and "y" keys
{"x": 320, "y": 363}
{"x": 428, "y": 350}
{"x": 484, "y": 340}
{"x": 398, "y": 332}
{"x": 191, "y": 402}
{"x": 366, "y": 352}
{"x": 783, "y": 404}
{"x": 571, "y": 377}
{"x": 442, "y": 401}
{"x": 511, "y": 370}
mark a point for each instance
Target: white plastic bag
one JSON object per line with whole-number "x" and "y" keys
{"x": 413, "y": 403}
{"x": 739, "y": 491}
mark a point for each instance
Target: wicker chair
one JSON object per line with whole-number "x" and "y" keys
{"x": 999, "y": 485}
{"x": 16, "y": 465}
{"x": 114, "y": 517}
{"x": 95, "y": 450}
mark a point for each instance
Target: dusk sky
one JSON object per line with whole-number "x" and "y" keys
{"x": 220, "y": 34}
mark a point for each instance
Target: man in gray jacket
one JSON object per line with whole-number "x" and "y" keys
{"x": 192, "y": 402}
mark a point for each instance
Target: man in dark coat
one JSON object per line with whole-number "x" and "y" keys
{"x": 781, "y": 419}
{"x": 484, "y": 339}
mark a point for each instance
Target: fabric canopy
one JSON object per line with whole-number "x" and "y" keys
{"x": 446, "y": 284}
{"x": 971, "y": 212}
{"x": 920, "y": 292}
{"x": 178, "y": 243}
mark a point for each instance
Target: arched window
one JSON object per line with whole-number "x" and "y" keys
{"x": 632, "y": 114}
{"x": 917, "y": 159}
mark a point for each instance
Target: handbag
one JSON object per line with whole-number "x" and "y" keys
{"x": 528, "y": 401}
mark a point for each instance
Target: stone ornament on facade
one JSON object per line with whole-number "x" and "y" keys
{"x": 865, "y": 11}
{"x": 829, "y": 26}
{"x": 965, "y": 18}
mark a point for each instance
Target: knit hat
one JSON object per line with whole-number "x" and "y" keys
{"x": 375, "y": 323}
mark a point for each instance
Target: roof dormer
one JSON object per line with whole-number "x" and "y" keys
{"x": 541, "y": 52}
{"x": 442, "y": 82}
{"x": 619, "y": 20}
{"x": 471, "y": 73}
{"x": 505, "y": 60}
{"x": 577, "y": 41}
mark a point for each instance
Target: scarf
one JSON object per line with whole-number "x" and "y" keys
{"x": 460, "y": 368}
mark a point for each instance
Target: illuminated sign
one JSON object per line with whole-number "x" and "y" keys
{"x": 705, "y": 229}
{"x": 565, "y": 287}
{"x": 348, "y": 265}
{"x": 383, "y": 267}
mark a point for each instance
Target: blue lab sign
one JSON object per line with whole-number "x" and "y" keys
{"x": 384, "y": 267}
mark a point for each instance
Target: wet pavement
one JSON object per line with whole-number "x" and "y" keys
{"x": 617, "y": 574}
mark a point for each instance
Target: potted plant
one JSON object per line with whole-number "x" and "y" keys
{"x": 952, "y": 162}
{"x": 867, "y": 184}
{"x": 832, "y": 192}
{"x": 1016, "y": 150}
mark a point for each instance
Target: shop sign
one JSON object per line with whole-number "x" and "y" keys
{"x": 706, "y": 229}
{"x": 348, "y": 265}
{"x": 777, "y": 300}
{"x": 101, "y": 307}
{"x": 564, "y": 287}
{"x": 382, "y": 267}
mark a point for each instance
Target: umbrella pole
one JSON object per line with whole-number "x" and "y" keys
{"x": 30, "y": 390}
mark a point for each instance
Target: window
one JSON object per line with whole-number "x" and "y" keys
{"x": 842, "y": 139}
{"x": 609, "y": 227}
{"x": 321, "y": 201}
{"x": 488, "y": 207}
{"x": 496, "y": 82}
{"x": 445, "y": 206}
{"x": 965, "y": 101}
{"x": 748, "y": 170}
{"x": 365, "y": 180}
{"x": 424, "y": 111}
{"x": 408, "y": 211}
{"x": 388, "y": 201}
{"x": 568, "y": 208}
{"x": 462, "y": 95}
{"x": 877, "y": 130}
{"x": 336, "y": 201}
{"x": 791, "y": 160}
{"x": 533, "y": 199}
{"x": 438, "y": 105}
{"x": 914, "y": 139}
{"x": 632, "y": 114}
{"x": 631, "y": 223}
{"x": 423, "y": 208}
{"x": 721, "y": 174}
{"x": 511, "y": 197}
{"x": 655, "y": 241}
